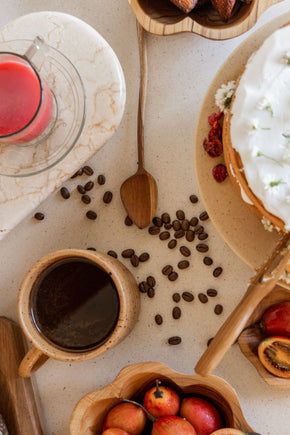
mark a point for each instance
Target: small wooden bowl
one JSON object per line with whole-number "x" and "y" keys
{"x": 250, "y": 338}
{"x": 161, "y": 17}
{"x": 132, "y": 382}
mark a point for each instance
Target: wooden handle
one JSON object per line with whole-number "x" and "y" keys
{"x": 32, "y": 361}
{"x": 142, "y": 94}
{"x": 237, "y": 321}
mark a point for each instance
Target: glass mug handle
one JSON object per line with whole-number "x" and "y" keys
{"x": 32, "y": 361}
{"x": 36, "y": 52}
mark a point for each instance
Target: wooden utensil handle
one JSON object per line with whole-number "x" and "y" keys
{"x": 142, "y": 93}
{"x": 32, "y": 361}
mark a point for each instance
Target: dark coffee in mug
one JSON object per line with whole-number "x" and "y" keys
{"x": 75, "y": 304}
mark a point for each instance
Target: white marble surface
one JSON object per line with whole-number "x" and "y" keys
{"x": 181, "y": 68}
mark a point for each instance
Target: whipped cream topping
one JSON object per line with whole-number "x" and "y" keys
{"x": 260, "y": 123}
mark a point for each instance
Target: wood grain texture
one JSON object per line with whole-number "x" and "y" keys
{"x": 161, "y": 17}
{"x": 132, "y": 382}
{"x": 17, "y": 400}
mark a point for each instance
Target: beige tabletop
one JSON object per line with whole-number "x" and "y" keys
{"x": 181, "y": 68}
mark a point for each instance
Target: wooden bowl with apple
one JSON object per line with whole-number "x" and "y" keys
{"x": 135, "y": 380}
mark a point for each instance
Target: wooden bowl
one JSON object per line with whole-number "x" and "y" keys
{"x": 132, "y": 382}
{"x": 161, "y": 17}
{"x": 251, "y": 337}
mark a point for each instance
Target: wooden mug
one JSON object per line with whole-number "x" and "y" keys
{"x": 42, "y": 349}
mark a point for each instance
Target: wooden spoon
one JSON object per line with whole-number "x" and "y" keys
{"x": 139, "y": 192}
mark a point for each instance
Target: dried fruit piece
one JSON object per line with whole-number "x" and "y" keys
{"x": 215, "y": 132}
{"x": 224, "y": 8}
{"x": 220, "y": 173}
{"x": 185, "y": 5}
{"x": 274, "y": 354}
{"x": 214, "y": 117}
{"x": 213, "y": 147}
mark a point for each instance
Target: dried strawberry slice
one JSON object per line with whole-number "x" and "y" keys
{"x": 215, "y": 132}
{"x": 214, "y": 117}
{"x": 213, "y": 147}
{"x": 220, "y": 173}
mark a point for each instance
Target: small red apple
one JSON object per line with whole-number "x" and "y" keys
{"x": 115, "y": 431}
{"x": 126, "y": 416}
{"x": 172, "y": 425}
{"x": 161, "y": 401}
{"x": 203, "y": 416}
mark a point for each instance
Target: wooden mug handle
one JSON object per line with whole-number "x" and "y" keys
{"x": 32, "y": 361}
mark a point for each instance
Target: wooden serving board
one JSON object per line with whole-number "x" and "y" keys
{"x": 17, "y": 400}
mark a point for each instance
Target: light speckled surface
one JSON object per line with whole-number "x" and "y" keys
{"x": 181, "y": 69}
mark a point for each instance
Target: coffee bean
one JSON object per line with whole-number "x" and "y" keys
{"x": 128, "y": 221}
{"x": 128, "y": 253}
{"x": 180, "y": 215}
{"x": 167, "y": 270}
{"x": 209, "y": 341}
{"x": 193, "y": 199}
{"x": 86, "y": 199}
{"x": 39, "y": 216}
{"x": 88, "y": 170}
{"x": 176, "y": 225}
{"x": 81, "y": 189}
{"x": 190, "y": 235}
{"x": 164, "y": 235}
{"x": 176, "y": 313}
{"x": 151, "y": 281}
{"x": 185, "y": 251}
{"x": 91, "y": 249}
{"x": 168, "y": 226}
{"x": 89, "y": 185}
{"x": 218, "y": 309}
{"x": 202, "y": 236}
{"x": 165, "y": 218}
{"x": 212, "y": 292}
{"x": 193, "y": 221}
{"x": 202, "y": 247}
{"x": 150, "y": 292}
{"x": 183, "y": 264}
{"x": 92, "y": 215}
{"x": 173, "y": 276}
{"x": 101, "y": 179}
{"x": 158, "y": 319}
{"x": 172, "y": 243}
{"x": 217, "y": 271}
{"x": 173, "y": 341}
{"x": 207, "y": 261}
{"x": 187, "y": 296}
{"x": 108, "y": 196}
{"x": 178, "y": 234}
{"x": 112, "y": 254}
{"x": 203, "y": 298}
{"x": 144, "y": 257}
{"x": 154, "y": 230}
{"x": 78, "y": 173}
{"x": 176, "y": 297}
{"x": 143, "y": 287}
{"x": 134, "y": 260}
{"x": 185, "y": 224}
{"x": 199, "y": 229}
{"x": 65, "y": 193}
{"x": 157, "y": 221}
{"x": 203, "y": 216}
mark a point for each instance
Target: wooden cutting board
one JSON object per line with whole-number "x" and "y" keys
{"x": 17, "y": 400}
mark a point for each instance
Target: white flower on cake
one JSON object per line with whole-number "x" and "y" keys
{"x": 272, "y": 185}
{"x": 286, "y": 57}
{"x": 223, "y": 96}
{"x": 265, "y": 104}
{"x": 267, "y": 224}
{"x": 255, "y": 126}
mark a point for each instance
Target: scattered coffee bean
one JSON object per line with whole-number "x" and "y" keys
{"x": 167, "y": 270}
{"x": 112, "y": 254}
{"x": 207, "y": 261}
{"x": 180, "y": 215}
{"x": 157, "y": 221}
{"x": 128, "y": 221}
{"x": 202, "y": 236}
{"x": 199, "y": 229}
{"x": 128, "y": 253}
{"x": 101, "y": 179}
{"x": 151, "y": 281}
{"x": 91, "y": 249}
{"x": 88, "y": 170}
{"x": 176, "y": 313}
{"x": 164, "y": 235}
{"x": 218, "y": 309}
{"x": 86, "y": 199}
{"x": 187, "y": 296}
{"x": 134, "y": 260}
{"x": 202, "y": 247}
{"x": 193, "y": 221}
{"x": 190, "y": 235}
{"x": 81, "y": 189}
{"x": 92, "y": 215}
{"x": 185, "y": 224}
{"x": 65, "y": 193}
{"x": 143, "y": 287}
{"x": 203, "y": 216}
{"x": 78, "y": 173}
{"x": 154, "y": 230}
{"x": 209, "y": 341}
{"x": 193, "y": 199}
{"x": 217, "y": 271}
{"x": 211, "y": 292}
{"x": 168, "y": 226}
{"x": 158, "y": 319}
{"x": 176, "y": 297}
{"x": 89, "y": 185}
{"x": 165, "y": 218}
{"x": 176, "y": 225}
{"x": 144, "y": 257}
{"x": 185, "y": 251}
{"x": 39, "y": 216}
{"x": 172, "y": 243}
{"x": 178, "y": 234}
{"x": 173, "y": 341}
{"x": 108, "y": 196}
{"x": 151, "y": 292}
{"x": 203, "y": 298}
{"x": 173, "y": 276}
{"x": 183, "y": 264}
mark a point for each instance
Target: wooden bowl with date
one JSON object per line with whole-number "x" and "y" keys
{"x": 132, "y": 383}
{"x": 162, "y": 17}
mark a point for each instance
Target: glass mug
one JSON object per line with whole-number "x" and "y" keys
{"x": 27, "y": 105}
